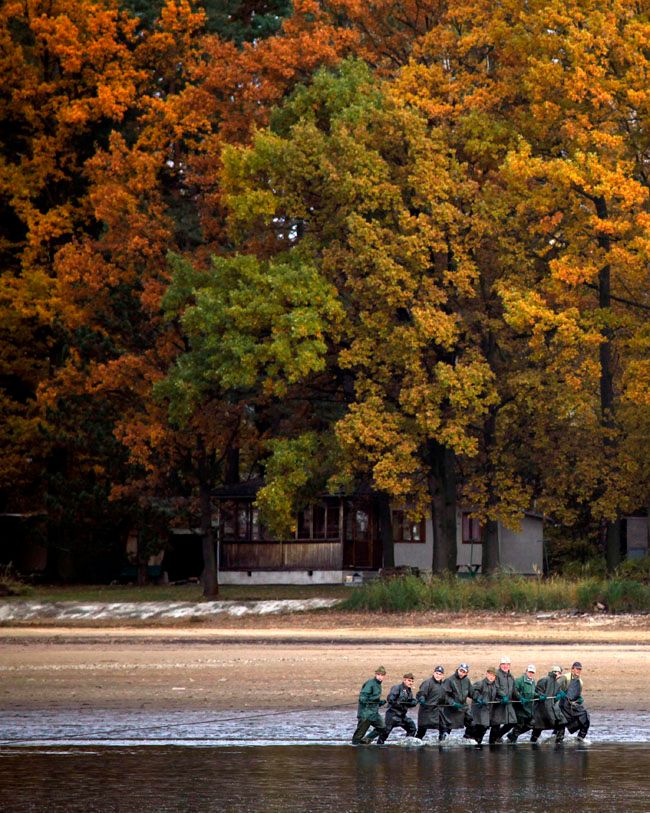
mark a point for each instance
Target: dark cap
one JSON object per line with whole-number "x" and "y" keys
{"x": 380, "y": 670}
{"x": 491, "y": 670}
{"x": 576, "y": 665}
{"x": 440, "y": 669}
{"x": 464, "y": 667}
{"x": 409, "y": 675}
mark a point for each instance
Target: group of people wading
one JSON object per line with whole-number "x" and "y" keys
{"x": 505, "y": 706}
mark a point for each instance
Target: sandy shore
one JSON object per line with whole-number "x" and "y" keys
{"x": 314, "y": 661}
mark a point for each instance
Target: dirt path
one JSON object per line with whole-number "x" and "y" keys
{"x": 315, "y": 661}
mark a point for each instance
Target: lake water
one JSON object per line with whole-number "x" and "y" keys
{"x": 105, "y": 761}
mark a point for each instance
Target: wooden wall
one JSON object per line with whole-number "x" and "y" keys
{"x": 286, "y": 555}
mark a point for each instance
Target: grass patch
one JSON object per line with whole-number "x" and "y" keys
{"x": 500, "y": 593}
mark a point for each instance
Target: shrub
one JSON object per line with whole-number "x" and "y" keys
{"x": 503, "y": 592}
{"x": 637, "y": 569}
{"x": 10, "y": 583}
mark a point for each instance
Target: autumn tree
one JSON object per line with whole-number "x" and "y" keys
{"x": 67, "y": 79}
{"x": 370, "y": 203}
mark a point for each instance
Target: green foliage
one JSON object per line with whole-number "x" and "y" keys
{"x": 637, "y": 569}
{"x": 296, "y": 470}
{"x": 250, "y": 326}
{"x": 333, "y": 97}
{"x": 502, "y": 593}
{"x": 593, "y": 567}
{"x": 574, "y": 553}
{"x": 237, "y": 20}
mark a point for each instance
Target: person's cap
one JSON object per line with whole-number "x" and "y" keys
{"x": 409, "y": 675}
{"x": 531, "y": 667}
{"x": 576, "y": 665}
{"x": 491, "y": 670}
{"x": 464, "y": 667}
{"x": 440, "y": 669}
{"x": 556, "y": 668}
{"x": 505, "y": 659}
{"x": 380, "y": 670}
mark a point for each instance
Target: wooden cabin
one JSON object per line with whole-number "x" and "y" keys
{"x": 337, "y": 540}
{"x": 334, "y": 536}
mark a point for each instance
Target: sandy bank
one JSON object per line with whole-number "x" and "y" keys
{"x": 316, "y": 661}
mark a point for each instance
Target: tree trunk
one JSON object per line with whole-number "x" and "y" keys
{"x": 613, "y": 545}
{"x": 209, "y": 577}
{"x": 231, "y": 472}
{"x": 491, "y": 559}
{"x": 385, "y": 530}
{"x": 613, "y": 533}
{"x": 442, "y": 490}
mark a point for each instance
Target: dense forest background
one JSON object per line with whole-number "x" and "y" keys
{"x": 406, "y": 244}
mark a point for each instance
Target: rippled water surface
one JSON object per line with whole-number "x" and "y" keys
{"x": 602, "y": 777}
{"x": 106, "y": 760}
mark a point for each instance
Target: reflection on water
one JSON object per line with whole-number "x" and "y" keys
{"x": 324, "y": 778}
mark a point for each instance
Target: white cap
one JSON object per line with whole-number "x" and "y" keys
{"x": 505, "y": 659}
{"x": 531, "y": 667}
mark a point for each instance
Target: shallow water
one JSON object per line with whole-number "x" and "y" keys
{"x": 316, "y": 778}
{"x": 324, "y": 726}
{"x": 103, "y": 760}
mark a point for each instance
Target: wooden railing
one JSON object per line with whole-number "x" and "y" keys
{"x": 313, "y": 554}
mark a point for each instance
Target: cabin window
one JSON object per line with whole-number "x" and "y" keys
{"x": 405, "y": 530}
{"x": 332, "y": 519}
{"x": 304, "y": 523}
{"x": 357, "y": 524}
{"x": 471, "y": 530}
{"x": 319, "y": 521}
{"x": 228, "y": 521}
{"x": 243, "y": 522}
{"x": 240, "y": 522}
{"x": 318, "y": 514}
{"x": 257, "y": 530}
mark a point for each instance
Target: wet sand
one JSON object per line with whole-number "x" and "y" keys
{"x": 314, "y": 661}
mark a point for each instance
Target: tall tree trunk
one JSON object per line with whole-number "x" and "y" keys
{"x": 385, "y": 530}
{"x": 491, "y": 559}
{"x": 231, "y": 470}
{"x": 442, "y": 490}
{"x": 613, "y": 533}
{"x": 209, "y": 577}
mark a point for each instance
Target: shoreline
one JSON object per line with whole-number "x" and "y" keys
{"x": 317, "y": 660}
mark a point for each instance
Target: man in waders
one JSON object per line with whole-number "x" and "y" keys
{"x": 572, "y": 705}
{"x": 502, "y": 715}
{"x": 430, "y": 697}
{"x": 368, "y": 709}
{"x": 483, "y": 694}
{"x": 457, "y": 687}
{"x": 525, "y": 686}
{"x": 548, "y": 714}
{"x": 400, "y": 700}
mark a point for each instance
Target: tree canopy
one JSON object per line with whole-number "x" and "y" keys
{"x": 405, "y": 243}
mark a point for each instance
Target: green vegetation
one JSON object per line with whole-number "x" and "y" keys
{"x": 504, "y": 592}
{"x": 10, "y": 584}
